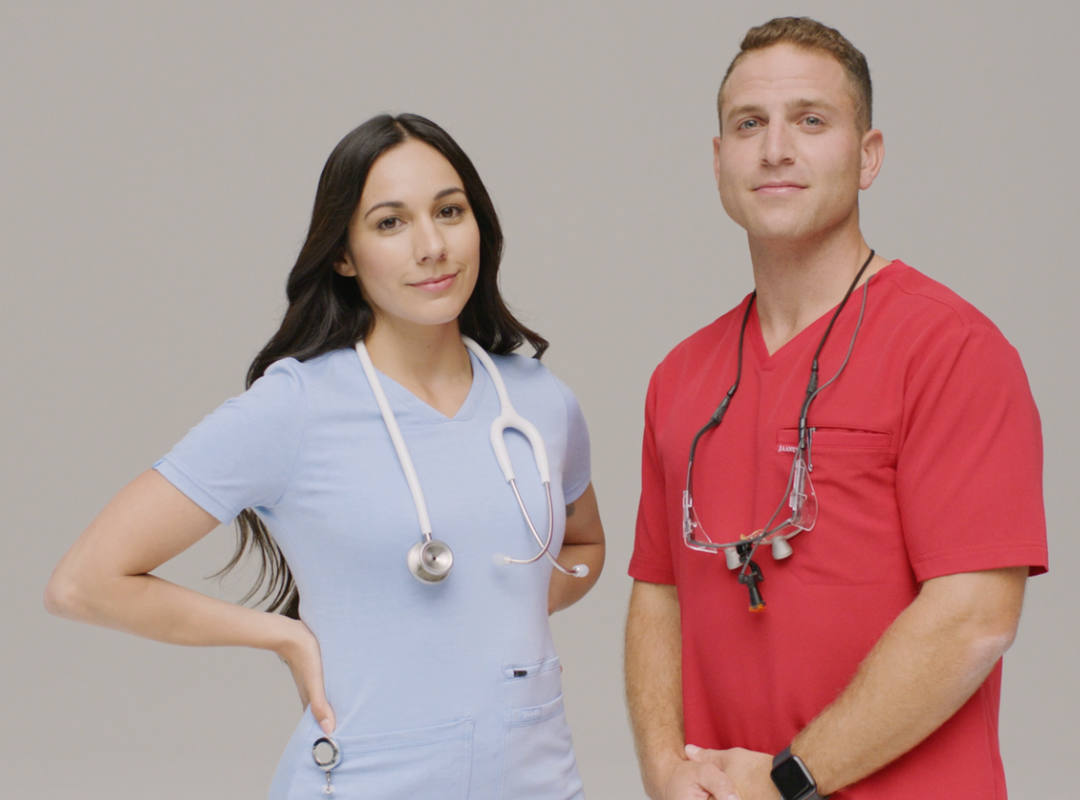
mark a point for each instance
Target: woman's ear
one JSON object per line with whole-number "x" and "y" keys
{"x": 345, "y": 266}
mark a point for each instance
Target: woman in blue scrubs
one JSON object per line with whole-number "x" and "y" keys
{"x": 443, "y": 688}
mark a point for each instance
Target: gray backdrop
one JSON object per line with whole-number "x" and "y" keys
{"x": 158, "y": 171}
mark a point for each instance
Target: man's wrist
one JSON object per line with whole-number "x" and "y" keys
{"x": 659, "y": 770}
{"x": 792, "y": 777}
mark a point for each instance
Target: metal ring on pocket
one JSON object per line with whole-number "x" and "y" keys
{"x": 326, "y": 753}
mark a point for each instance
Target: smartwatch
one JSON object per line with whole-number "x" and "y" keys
{"x": 792, "y": 779}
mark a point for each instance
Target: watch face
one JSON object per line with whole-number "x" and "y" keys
{"x": 791, "y": 779}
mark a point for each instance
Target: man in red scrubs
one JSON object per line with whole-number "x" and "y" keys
{"x": 870, "y": 484}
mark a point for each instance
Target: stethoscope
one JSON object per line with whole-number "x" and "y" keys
{"x": 430, "y": 559}
{"x": 739, "y": 555}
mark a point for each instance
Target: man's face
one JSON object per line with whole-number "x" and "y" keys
{"x": 791, "y": 159}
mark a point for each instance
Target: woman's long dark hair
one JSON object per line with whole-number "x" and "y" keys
{"x": 326, "y": 310}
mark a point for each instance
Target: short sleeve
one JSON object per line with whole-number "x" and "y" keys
{"x": 651, "y": 560}
{"x": 242, "y": 454}
{"x": 969, "y": 466}
{"x": 577, "y": 469}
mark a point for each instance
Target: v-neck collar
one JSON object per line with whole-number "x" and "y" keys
{"x": 404, "y": 400}
{"x": 797, "y": 343}
{"x": 757, "y": 339}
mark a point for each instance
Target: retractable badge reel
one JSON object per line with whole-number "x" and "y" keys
{"x": 327, "y": 755}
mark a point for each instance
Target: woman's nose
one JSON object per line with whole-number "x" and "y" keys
{"x": 428, "y": 242}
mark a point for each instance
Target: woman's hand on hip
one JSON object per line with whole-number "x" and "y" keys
{"x": 300, "y": 651}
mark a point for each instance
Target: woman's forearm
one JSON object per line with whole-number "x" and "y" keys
{"x": 149, "y": 606}
{"x": 105, "y": 578}
{"x": 565, "y": 590}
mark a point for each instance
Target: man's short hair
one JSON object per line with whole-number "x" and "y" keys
{"x": 810, "y": 35}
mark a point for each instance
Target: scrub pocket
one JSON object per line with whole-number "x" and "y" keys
{"x": 432, "y": 763}
{"x": 855, "y": 543}
{"x": 539, "y": 756}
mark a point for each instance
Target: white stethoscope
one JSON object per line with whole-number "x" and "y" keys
{"x": 430, "y": 559}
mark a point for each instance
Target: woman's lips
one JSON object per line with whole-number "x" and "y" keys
{"x": 436, "y": 284}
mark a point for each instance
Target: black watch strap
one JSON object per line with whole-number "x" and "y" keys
{"x": 792, "y": 779}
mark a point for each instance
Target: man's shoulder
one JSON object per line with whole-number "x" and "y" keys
{"x": 920, "y": 299}
{"x": 705, "y": 339}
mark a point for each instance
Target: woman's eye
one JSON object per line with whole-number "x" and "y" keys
{"x": 450, "y": 212}
{"x": 388, "y": 223}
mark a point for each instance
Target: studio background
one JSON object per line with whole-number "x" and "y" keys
{"x": 158, "y": 168}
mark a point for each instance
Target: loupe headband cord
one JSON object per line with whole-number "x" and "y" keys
{"x": 812, "y": 387}
{"x": 813, "y": 390}
{"x": 718, "y": 415}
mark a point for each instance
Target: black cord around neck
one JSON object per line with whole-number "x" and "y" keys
{"x": 811, "y": 387}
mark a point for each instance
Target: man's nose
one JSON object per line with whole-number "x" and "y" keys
{"x": 778, "y": 146}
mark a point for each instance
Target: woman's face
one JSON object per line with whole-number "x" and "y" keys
{"x": 413, "y": 242}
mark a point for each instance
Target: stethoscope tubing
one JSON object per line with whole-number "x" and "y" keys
{"x": 397, "y": 439}
{"x": 508, "y": 418}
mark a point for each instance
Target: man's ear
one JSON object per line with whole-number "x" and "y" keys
{"x": 716, "y": 160}
{"x": 872, "y": 154}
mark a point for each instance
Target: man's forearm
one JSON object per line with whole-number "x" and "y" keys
{"x": 654, "y": 680}
{"x": 925, "y": 666}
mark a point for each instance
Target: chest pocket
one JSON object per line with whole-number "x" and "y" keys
{"x": 857, "y": 538}
{"x": 838, "y": 439}
{"x": 851, "y": 464}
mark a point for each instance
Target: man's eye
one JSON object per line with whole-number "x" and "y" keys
{"x": 746, "y": 124}
{"x": 813, "y": 121}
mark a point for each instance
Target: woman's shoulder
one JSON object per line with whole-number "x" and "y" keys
{"x": 523, "y": 372}
{"x": 315, "y": 372}
{"x": 517, "y": 368}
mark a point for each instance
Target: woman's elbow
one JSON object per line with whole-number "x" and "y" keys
{"x": 61, "y": 594}
{"x": 68, "y": 593}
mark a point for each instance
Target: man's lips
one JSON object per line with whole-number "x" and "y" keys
{"x": 779, "y": 187}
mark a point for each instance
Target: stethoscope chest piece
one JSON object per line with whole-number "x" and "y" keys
{"x": 326, "y": 753}
{"x": 430, "y": 560}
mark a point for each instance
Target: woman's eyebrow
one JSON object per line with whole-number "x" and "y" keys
{"x": 449, "y": 190}
{"x": 398, "y": 204}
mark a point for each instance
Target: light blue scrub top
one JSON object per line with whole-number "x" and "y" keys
{"x": 447, "y": 690}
